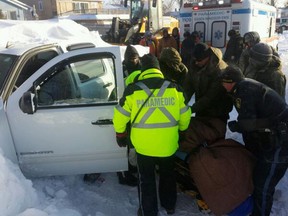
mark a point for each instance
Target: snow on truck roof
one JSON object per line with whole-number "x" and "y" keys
{"x": 18, "y": 36}
{"x": 46, "y": 31}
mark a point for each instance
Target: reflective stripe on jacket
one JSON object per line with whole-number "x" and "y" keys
{"x": 131, "y": 78}
{"x": 154, "y": 132}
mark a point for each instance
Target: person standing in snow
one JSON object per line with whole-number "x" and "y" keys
{"x": 212, "y": 105}
{"x": 150, "y": 42}
{"x": 157, "y": 111}
{"x": 172, "y": 67}
{"x": 262, "y": 120}
{"x": 131, "y": 69}
{"x": 166, "y": 41}
{"x": 176, "y": 36}
{"x": 187, "y": 48}
{"x": 234, "y": 47}
{"x": 266, "y": 68}
{"x": 250, "y": 39}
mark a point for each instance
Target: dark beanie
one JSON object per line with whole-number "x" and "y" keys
{"x": 231, "y": 33}
{"x": 201, "y": 51}
{"x": 261, "y": 52}
{"x": 149, "y": 61}
{"x": 130, "y": 52}
{"x": 231, "y": 74}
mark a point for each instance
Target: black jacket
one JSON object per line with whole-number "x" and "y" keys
{"x": 234, "y": 49}
{"x": 256, "y": 102}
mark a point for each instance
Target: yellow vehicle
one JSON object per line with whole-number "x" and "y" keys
{"x": 144, "y": 15}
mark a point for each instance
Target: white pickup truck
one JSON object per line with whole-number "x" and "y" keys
{"x": 56, "y": 108}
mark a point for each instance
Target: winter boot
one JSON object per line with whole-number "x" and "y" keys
{"x": 126, "y": 178}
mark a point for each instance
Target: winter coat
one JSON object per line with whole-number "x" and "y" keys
{"x": 155, "y": 124}
{"x": 166, "y": 42}
{"x": 222, "y": 173}
{"x": 171, "y": 65}
{"x": 259, "y": 107}
{"x": 211, "y": 99}
{"x": 152, "y": 44}
{"x": 187, "y": 48}
{"x": 270, "y": 74}
{"x": 234, "y": 49}
{"x": 244, "y": 58}
{"x": 202, "y": 130}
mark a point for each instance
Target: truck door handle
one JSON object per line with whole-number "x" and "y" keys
{"x": 102, "y": 122}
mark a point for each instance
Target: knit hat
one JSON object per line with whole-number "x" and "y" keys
{"x": 195, "y": 34}
{"x": 231, "y": 33}
{"x": 231, "y": 74}
{"x": 130, "y": 52}
{"x": 149, "y": 61}
{"x": 201, "y": 51}
{"x": 261, "y": 52}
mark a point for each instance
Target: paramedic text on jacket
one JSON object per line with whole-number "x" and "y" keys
{"x": 155, "y": 130}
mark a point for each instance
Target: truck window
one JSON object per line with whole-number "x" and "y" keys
{"x": 78, "y": 82}
{"x": 7, "y": 62}
{"x": 33, "y": 64}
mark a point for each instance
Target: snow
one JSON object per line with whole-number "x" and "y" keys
{"x": 71, "y": 196}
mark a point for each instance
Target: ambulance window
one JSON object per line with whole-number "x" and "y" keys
{"x": 218, "y": 34}
{"x": 201, "y": 28}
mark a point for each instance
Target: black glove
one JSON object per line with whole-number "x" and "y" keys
{"x": 122, "y": 139}
{"x": 182, "y": 136}
{"x": 234, "y": 126}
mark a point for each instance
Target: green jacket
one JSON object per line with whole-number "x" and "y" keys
{"x": 154, "y": 131}
{"x": 211, "y": 99}
{"x": 270, "y": 74}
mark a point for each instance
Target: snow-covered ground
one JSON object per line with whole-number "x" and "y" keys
{"x": 71, "y": 196}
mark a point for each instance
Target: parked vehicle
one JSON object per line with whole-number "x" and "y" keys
{"x": 56, "y": 107}
{"x": 214, "y": 19}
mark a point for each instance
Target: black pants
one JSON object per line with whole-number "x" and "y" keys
{"x": 147, "y": 183}
{"x": 271, "y": 151}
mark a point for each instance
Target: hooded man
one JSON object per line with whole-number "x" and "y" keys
{"x": 172, "y": 66}
{"x": 131, "y": 64}
{"x": 250, "y": 39}
{"x": 266, "y": 68}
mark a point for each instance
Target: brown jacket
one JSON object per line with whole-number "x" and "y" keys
{"x": 222, "y": 173}
{"x": 166, "y": 42}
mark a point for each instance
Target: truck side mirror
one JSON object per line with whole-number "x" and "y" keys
{"x": 154, "y": 3}
{"x": 125, "y": 3}
{"x": 26, "y": 103}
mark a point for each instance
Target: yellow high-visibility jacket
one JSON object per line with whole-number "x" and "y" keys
{"x": 130, "y": 79}
{"x": 154, "y": 132}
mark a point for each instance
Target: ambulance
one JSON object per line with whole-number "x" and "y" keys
{"x": 213, "y": 19}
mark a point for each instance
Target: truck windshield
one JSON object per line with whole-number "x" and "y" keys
{"x": 6, "y": 62}
{"x": 137, "y": 10}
